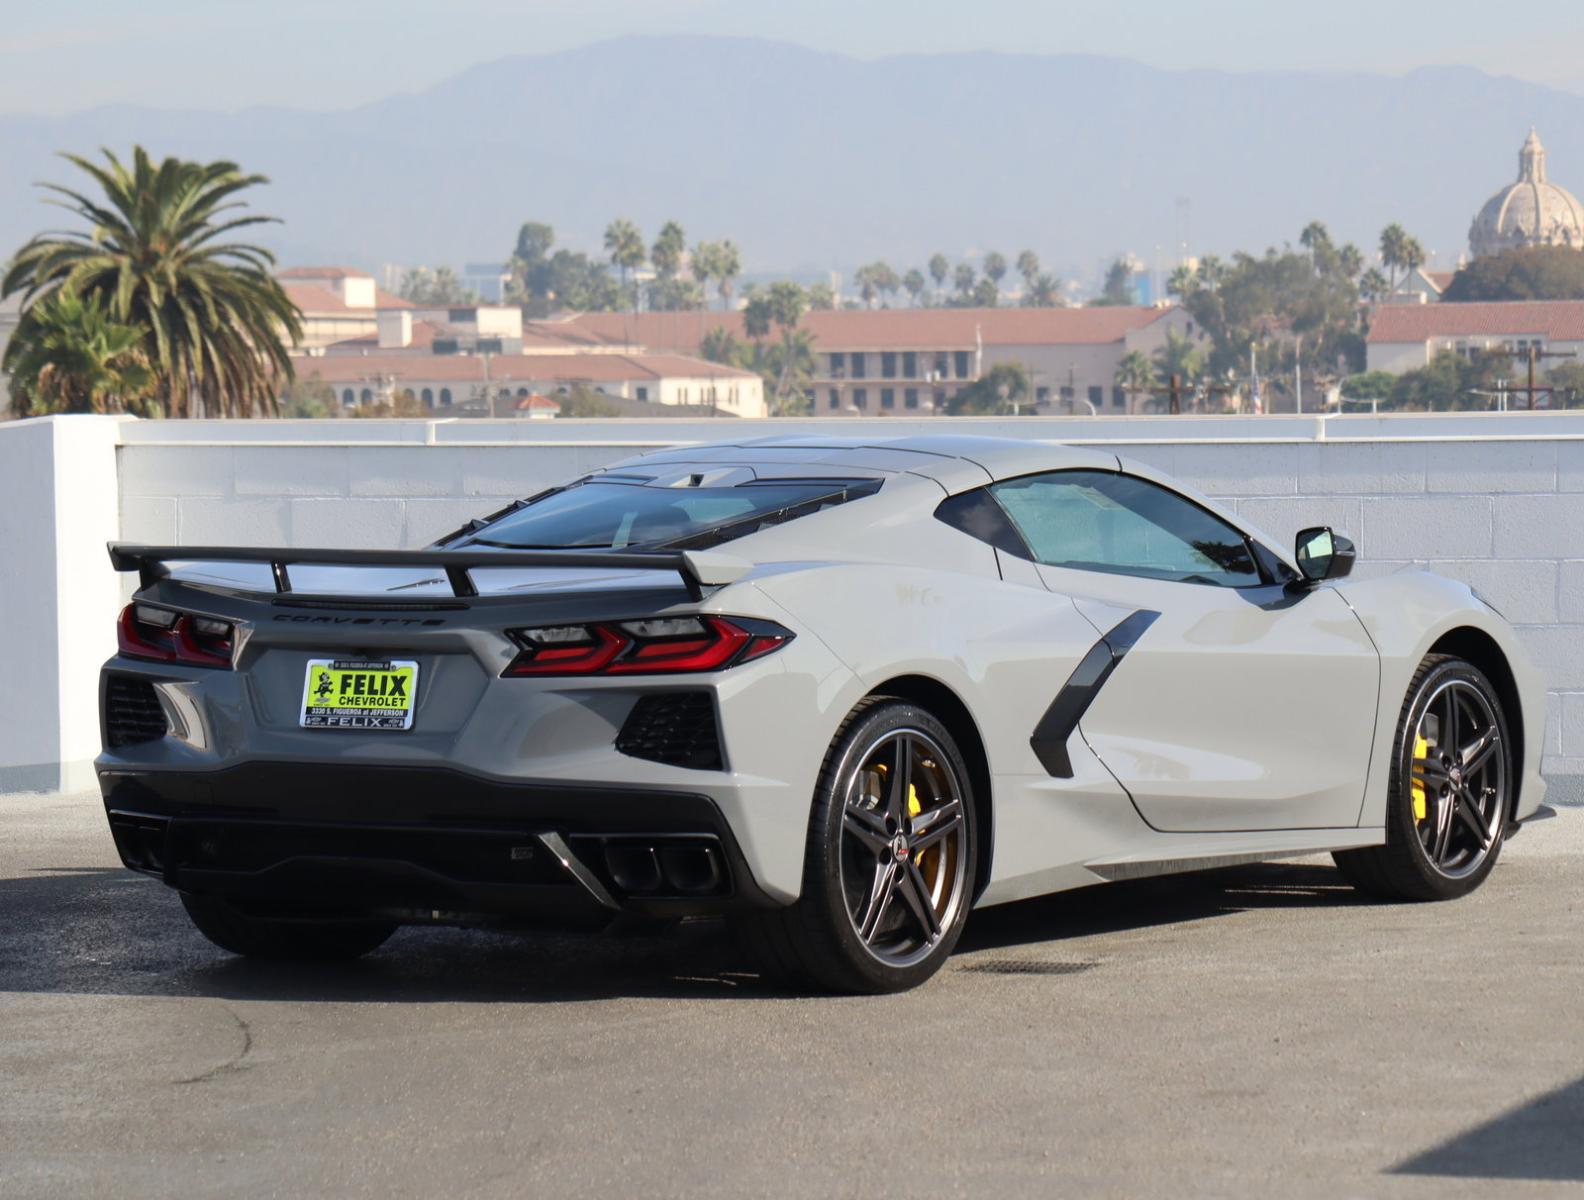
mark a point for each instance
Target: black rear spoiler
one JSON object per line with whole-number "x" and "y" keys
{"x": 697, "y": 568}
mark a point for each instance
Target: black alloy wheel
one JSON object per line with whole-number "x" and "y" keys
{"x": 889, "y": 868}
{"x": 1451, "y": 789}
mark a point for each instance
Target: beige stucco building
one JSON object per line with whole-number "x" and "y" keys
{"x": 877, "y": 362}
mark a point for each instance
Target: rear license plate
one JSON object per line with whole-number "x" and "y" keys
{"x": 343, "y": 694}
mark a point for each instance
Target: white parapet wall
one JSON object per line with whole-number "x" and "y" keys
{"x": 1494, "y": 499}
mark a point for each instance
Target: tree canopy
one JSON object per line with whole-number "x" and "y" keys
{"x": 1522, "y": 273}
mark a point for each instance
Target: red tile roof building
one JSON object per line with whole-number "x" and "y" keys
{"x": 1405, "y": 337}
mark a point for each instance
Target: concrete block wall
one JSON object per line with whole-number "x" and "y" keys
{"x": 1496, "y": 500}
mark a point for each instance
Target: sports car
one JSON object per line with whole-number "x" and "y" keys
{"x": 840, "y": 692}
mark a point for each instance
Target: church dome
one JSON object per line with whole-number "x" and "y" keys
{"x": 1531, "y": 212}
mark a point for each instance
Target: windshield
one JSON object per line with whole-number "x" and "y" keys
{"x": 615, "y": 515}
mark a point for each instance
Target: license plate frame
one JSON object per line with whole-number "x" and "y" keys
{"x": 357, "y": 694}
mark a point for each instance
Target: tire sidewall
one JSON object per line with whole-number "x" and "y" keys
{"x": 822, "y": 873}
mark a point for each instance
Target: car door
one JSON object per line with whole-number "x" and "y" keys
{"x": 1227, "y": 701}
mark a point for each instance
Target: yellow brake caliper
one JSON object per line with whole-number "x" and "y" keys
{"x": 1421, "y": 807}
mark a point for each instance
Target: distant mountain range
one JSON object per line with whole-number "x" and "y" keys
{"x": 814, "y": 161}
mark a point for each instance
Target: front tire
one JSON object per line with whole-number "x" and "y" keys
{"x": 889, "y": 866}
{"x": 1450, "y": 792}
{"x": 259, "y": 937}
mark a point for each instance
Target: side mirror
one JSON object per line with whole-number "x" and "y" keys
{"x": 1322, "y": 554}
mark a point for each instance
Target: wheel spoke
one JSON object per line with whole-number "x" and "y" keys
{"x": 880, "y": 894}
{"x": 1473, "y": 818}
{"x": 1443, "y": 836}
{"x": 866, "y": 826}
{"x": 901, "y": 781}
{"x": 1449, "y": 730}
{"x": 916, "y": 893}
{"x": 1430, "y": 771}
{"x": 929, "y": 828}
{"x": 1478, "y": 752}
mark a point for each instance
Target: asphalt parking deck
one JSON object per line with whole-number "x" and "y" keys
{"x": 1254, "y": 1031}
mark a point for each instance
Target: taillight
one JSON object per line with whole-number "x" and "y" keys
{"x": 162, "y": 635}
{"x": 662, "y": 646}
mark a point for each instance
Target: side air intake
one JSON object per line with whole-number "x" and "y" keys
{"x": 132, "y": 712}
{"x": 676, "y": 728}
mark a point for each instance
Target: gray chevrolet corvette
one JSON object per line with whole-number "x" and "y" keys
{"x": 838, "y": 692}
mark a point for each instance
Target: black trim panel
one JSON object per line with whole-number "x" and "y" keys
{"x": 1049, "y": 741}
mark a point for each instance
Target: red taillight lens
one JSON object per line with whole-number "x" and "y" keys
{"x": 653, "y": 647}
{"x": 160, "y": 635}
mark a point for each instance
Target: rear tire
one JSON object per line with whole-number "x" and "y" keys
{"x": 888, "y": 874}
{"x": 1449, "y": 795}
{"x": 304, "y": 941}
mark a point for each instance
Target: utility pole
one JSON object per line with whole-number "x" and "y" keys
{"x": 1298, "y": 375}
{"x": 1535, "y": 354}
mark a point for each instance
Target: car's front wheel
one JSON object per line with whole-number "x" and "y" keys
{"x": 889, "y": 868}
{"x": 1450, "y": 792}
{"x": 230, "y": 928}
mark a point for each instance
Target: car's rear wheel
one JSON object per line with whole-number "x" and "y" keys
{"x": 260, "y": 937}
{"x": 1450, "y": 792}
{"x": 889, "y": 869}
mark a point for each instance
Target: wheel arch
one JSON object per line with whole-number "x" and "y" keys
{"x": 948, "y": 708}
{"x": 1479, "y": 648}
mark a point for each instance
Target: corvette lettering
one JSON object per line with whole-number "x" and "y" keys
{"x": 326, "y": 619}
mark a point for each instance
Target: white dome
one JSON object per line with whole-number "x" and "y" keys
{"x": 1531, "y": 212}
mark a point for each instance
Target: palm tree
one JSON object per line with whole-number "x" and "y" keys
{"x": 1134, "y": 374}
{"x": 624, "y": 244}
{"x": 1043, "y": 292}
{"x": 822, "y": 296}
{"x": 995, "y": 266}
{"x": 720, "y": 345}
{"x": 757, "y": 318}
{"x": 1184, "y": 279}
{"x": 1394, "y": 241}
{"x": 68, "y": 356}
{"x": 886, "y": 279}
{"x": 728, "y": 265}
{"x": 793, "y": 359}
{"x": 791, "y": 362}
{"x": 704, "y": 265}
{"x": 867, "y": 284}
{"x": 1350, "y": 261}
{"x": 963, "y": 277}
{"x": 913, "y": 283}
{"x": 1028, "y": 265}
{"x": 210, "y": 317}
{"x": 1211, "y": 272}
{"x": 666, "y": 254}
{"x": 1374, "y": 286}
{"x": 938, "y": 269}
{"x": 1180, "y": 357}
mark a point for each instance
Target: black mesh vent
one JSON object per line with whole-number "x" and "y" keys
{"x": 132, "y": 712}
{"x": 673, "y": 727}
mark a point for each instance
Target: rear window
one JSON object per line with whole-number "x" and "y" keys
{"x": 616, "y": 515}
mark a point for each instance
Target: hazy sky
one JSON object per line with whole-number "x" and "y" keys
{"x": 331, "y": 53}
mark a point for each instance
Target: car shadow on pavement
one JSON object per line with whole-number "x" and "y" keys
{"x": 1537, "y": 1140}
{"x": 108, "y": 931}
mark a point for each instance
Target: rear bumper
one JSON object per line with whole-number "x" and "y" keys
{"x": 424, "y": 844}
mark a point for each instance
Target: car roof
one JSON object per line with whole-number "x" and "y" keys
{"x": 997, "y": 457}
